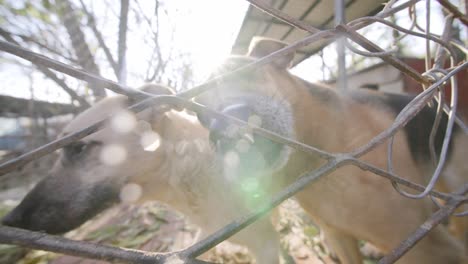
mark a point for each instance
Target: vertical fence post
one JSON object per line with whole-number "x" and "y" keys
{"x": 340, "y": 46}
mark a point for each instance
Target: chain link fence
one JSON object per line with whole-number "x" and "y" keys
{"x": 435, "y": 76}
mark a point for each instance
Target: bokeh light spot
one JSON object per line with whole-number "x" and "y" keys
{"x": 150, "y": 140}
{"x": 255, "y": 120}
{"x": 232, "y": 130}
{"x": 231, "y": 159}
{"x": 113, "y": 154}
{"x": 250, "y": 185}
{"x": 242, "y": 145}
{"x": 123, "y": 122}
{"x": 130, "y": 192}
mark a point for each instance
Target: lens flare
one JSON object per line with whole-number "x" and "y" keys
{"x": 255, "y": 120}
{"x": 250, "y": 185}
{"x": 130, "y": 192}
{"x": 123, "y": 122}
{"x": 113, "y": 154}
{"x": 243, "y": 145}
{"x": 231, "y": 159}
{"x": 232, "y": 130}
{"x": 253, "y": 192}
{"x": 150, "y": 140}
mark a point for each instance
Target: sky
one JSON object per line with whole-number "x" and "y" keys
{"x": 206, "y": 30}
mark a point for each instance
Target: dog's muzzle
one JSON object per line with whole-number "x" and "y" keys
{"x": 255, "y": 152}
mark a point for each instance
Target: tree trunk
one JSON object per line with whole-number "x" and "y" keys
{"x": 82, "y": 51}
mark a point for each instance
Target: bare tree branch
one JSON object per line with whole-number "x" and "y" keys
{"x": 13, "y": 106}
{"x": 30, "y": 39}
{"x": 78, "y": 40}
{"x": 153, "y": 72}
{"x": 83, "y": 103}
{"x": 100, "y": 39}
{"x": 95, "y": 80}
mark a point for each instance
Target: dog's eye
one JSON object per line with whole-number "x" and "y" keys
{"x": 76, "y": 150}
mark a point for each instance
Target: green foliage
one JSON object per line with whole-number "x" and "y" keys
{"x": 311, "y": 230}
{"x": 46, "y": 4}
{"x": 104, "y": 233}
{"x": 10, "y": 253}
{"x": 4, "y": 209}
{"x": 37, "y": 257}
{"x": 138, "y": 228}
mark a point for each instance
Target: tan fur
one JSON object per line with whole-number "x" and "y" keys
{"x": 182, "y": 173}
{"x": 350, "y": 204}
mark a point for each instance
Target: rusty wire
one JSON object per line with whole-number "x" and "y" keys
{"x": 334, "y": 160}
{"x": 453, "y": 106}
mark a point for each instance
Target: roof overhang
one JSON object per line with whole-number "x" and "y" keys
{"x": 318, "y": 13}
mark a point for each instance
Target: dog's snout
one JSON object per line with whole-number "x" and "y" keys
{"x": 251, "y": 148}
{"x": 13, "y": 219}
{"x": 222, "y": 130}
{"x": 240, "y": 111}
{"x": 59, "y": 204}
{"x": 204, "y": 119}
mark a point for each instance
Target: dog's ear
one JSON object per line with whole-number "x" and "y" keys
{"x": 149, "y": 114}
{"x": 156, "y": 89}
{"x": 261, "y": 47}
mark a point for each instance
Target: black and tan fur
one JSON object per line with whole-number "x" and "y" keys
{"x": 348, "y": 204}
{"x": 182, "y": 172}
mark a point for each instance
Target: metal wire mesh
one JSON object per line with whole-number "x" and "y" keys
{"x": 432, "y": 79}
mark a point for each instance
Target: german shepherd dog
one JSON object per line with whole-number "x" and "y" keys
{"x": 165, "y": 157}
{"x": 348, "y": 204}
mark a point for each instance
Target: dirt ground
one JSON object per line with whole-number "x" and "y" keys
{"x": 155, "y": 227}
